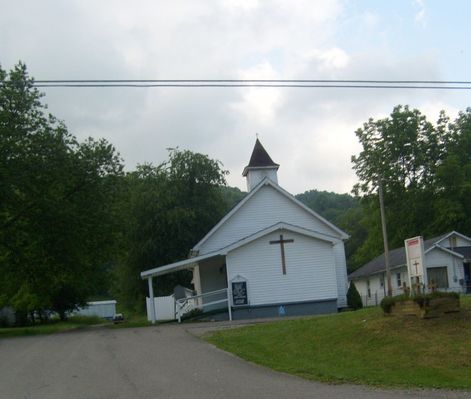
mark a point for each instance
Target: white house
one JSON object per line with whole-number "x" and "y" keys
{"x": 447, "y": 259}
{"x": 270, "y": 255}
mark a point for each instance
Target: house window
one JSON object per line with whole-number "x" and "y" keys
{"x": 381, "y": 281}
{"x": 438, "y": 277}
{"x": 398, "y": 280}
{"x": 368, "y": 288}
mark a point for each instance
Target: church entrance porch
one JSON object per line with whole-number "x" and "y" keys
{"x": 209, "y": 281}
{"x": 212, "y": 274}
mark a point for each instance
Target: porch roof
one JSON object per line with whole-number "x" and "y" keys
{"x": 180, "y": 265}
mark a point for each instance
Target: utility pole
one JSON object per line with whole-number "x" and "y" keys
{"x": 385, "y": 237}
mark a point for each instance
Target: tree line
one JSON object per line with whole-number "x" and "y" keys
{"x": 75, "y": 226}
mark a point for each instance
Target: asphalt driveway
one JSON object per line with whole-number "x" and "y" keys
{"x": 167, "y": 361}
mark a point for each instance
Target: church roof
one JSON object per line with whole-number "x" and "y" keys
{"x": 268, "y": 182}
{"x": 259, "y": 158}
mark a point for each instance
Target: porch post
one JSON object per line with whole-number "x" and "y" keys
{"x": 151, "y": 297}
{"x": 229, "y": 310}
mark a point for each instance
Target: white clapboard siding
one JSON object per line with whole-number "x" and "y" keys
{"x": 439, "y": 258}
{"x": 267, "y": 207}
{"x": 310, "y": 271}
{"x": 341, "y": 273}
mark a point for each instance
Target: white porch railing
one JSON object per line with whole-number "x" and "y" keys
{"x": 186, "y": 305}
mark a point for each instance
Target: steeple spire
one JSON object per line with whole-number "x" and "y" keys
{"x": 260, "y": 166}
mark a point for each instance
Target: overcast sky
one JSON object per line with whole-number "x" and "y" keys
{"x": 309, "y": 132}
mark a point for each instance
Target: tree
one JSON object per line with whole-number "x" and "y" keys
{"x": 353, "y": 297}
{"x": 452, "y": 203}
{"x": 426, "y": 174}
{"x": 55, "y": 218}
{"x": 171, "y": 206}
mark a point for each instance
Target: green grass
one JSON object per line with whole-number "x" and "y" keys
{"x": 363, "y": 347}
{"x": 73, "y": 323}
{"x": 131, "y": 320}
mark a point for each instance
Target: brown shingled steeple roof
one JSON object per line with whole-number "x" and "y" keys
{"x": 259, "y": 158}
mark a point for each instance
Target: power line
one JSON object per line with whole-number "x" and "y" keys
{"x": 265, "y": 83}
{"x": 261, "y": 85}
{"x": 253, "y": 81}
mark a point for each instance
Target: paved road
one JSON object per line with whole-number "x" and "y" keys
{"x": 155, "y": 362}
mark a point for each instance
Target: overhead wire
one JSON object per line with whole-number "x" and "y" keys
{"x": 264, "y": 83}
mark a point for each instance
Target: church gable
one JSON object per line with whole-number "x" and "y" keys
{"x": 302, "y": 272}
{"x": 265, "y": 207}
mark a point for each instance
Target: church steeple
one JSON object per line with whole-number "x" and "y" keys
{"x": 260, "y": 166}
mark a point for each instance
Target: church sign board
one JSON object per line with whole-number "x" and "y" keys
{"x": 415, "y": 259}
{"x": 239, "y": 293}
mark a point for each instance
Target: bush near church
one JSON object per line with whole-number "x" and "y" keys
{"x": 353, "y": 297}
{"x": 435, "y": 304}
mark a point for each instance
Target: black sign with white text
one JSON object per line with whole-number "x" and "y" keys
{"x": 239, "y": 293}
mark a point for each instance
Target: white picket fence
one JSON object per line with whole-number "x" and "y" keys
{"x": 164, "y": 308}
{"x": 167, "y": 308}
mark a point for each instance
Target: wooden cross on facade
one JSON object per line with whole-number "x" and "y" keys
{"x": 282, "y": 243}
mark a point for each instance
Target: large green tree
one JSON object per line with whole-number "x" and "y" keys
{"x": 424, "y": 170}
{"x": 170, "y": 207}
{"x": 56, "y": 221}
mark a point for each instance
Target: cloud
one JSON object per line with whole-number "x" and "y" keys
{"x": 420, "y": 16}
{"x": 310, "y": 132}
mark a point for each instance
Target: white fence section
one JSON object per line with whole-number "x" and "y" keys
{"x": 167, "y": 308}
{"x": 164, "y": 308}
{"x": 105, "y": 309}
{"x": 188, "y": 304}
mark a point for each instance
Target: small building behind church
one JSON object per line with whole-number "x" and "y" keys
{"x": 447, "y": 262}
{"x": 269, "y": 256}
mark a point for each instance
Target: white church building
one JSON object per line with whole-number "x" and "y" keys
{"x": 270, "y": 255}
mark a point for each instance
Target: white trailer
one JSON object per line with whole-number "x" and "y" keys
{"x": 104, "y": 309}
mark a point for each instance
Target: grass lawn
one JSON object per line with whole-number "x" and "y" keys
{"x": 131, "y": 320}
{"x": 73, "y": 323}
{"x": 363, "y": 347}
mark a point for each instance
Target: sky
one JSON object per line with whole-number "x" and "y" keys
{"x": 309, "y": 132}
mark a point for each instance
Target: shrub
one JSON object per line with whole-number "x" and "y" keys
{"x": 353, "y": 297}
{"x": 424, "y": 299}
{"x": 387, "y": 303}
{"x": 421, "y": 299}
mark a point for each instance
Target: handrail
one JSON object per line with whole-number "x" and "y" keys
{"x": 204, "y": 294}
{"x": 180, "y": 303}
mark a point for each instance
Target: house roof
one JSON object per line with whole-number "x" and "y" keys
{"x": 259, "y": 158}
{"x": 264, "y": 182}
{"x": 465, "y": 251}
{"x": 188, "y": 263}
{"x": 397, "y": 257}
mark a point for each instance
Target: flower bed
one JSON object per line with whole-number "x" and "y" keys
{"x": 436, "y": 304}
